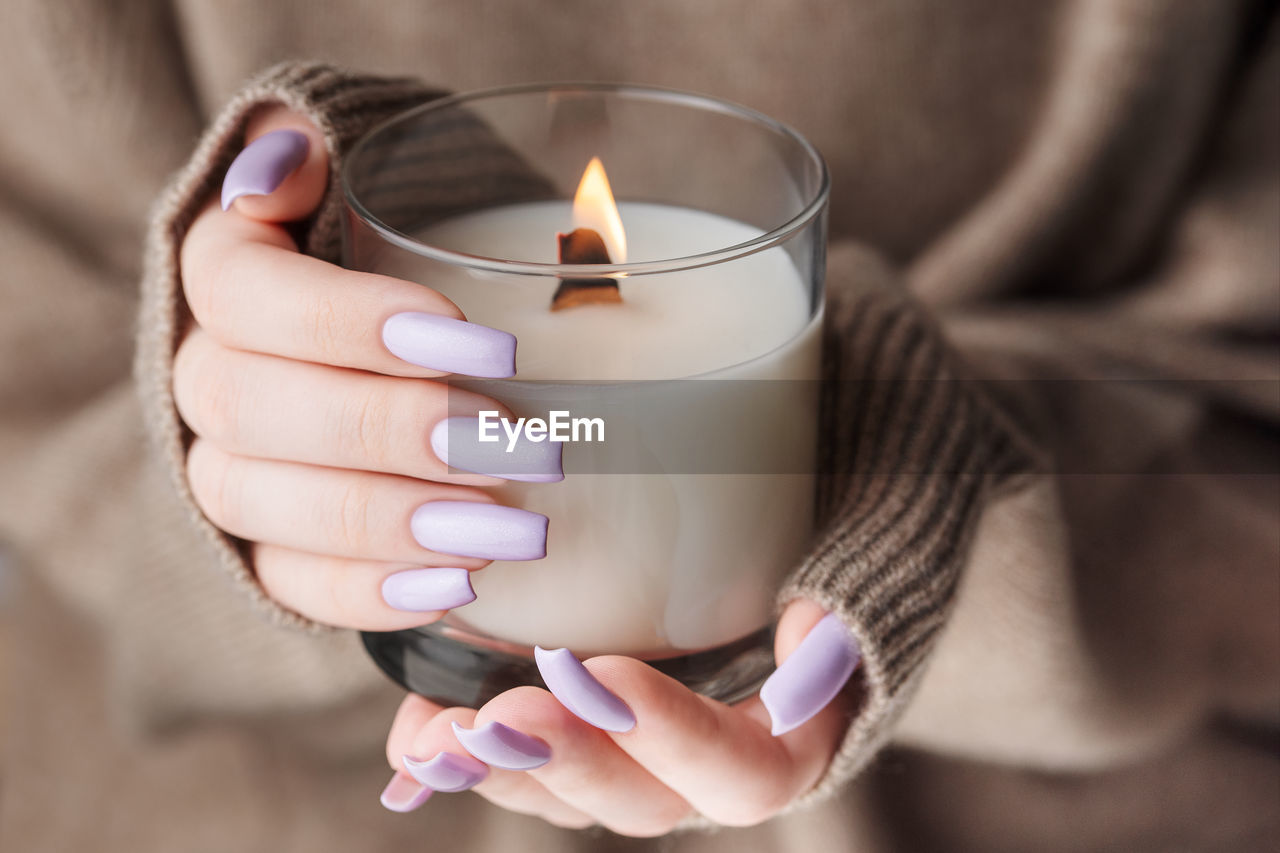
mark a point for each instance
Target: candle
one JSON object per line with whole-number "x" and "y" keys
{"x": 668, "y": 326}
{"x": 650, "y": 564}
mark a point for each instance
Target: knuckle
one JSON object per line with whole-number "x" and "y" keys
{"x": 281, "y": 573}
{"x": 210, "y": 275}
{"x": 349, "y": 528}
{"x": 186, "y": 370}
{"x": 269, "y": 568}
{"x": 346, "y": 591}
{"x": 327, "y": 327}
{"x": 365, "y": 426}
{"x": 528, "y": 706}
{"x": 210, "y": 391}
{"x": 216, "y": 481}
{"x": 194, "y": 265}
{"x": 438, "y": 730}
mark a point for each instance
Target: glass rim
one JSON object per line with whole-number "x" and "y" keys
{"x": 775, "y": 236}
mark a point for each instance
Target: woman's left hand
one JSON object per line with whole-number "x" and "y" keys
{"x": 664, "y": 752}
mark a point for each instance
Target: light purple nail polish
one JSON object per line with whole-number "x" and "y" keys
{"x": 577, "y": 689}
{"x": 812, "y": 676}
{"x": 423, "y": 590}
{"x": 404, "y": 794}
{"x": 447, "y": 773}
{"x": 474, "y": 529}
{"x": 456, "y": 442}
{"x": 502, "y": 746}
{"x": 264, "y": 164}
{"x": 453, "y": 346}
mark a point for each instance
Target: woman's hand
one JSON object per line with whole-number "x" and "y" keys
{"x": 653, "y": 752}
{"x": 323, "y": 441}
{"x": 319, "y": 430}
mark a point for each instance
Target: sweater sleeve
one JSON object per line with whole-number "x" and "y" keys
{"x": 343, "y": 106}
{"x": 912, "y": 449}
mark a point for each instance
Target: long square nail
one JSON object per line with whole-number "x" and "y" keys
{"x": 502, "y": 746}
{"x": 425, "y": 590}
{"x": 264, "y": 164}
{"x": 404, "y": 794}
{"x": 580, "y": 692}
{"x": 484, "y": 530}
{"x": 447, "y": 773}
{"x": 450, "y": 345}
{"x": 812, "y": 676}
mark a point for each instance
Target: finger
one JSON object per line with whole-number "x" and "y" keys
{"x": 817, "y": 656}
{"x": 281, "y": 173}
{"x": 413, "y": 733}
{"x": 587, "y": 770}
{"x": 276, "y": 408}
{"x": 364, "y": 595}
{"x": 721, "y": 759}
{"x": 248, "y": 287}
{"x": 358, "y": 514}
{"x": 404, "y": 793}
{"x": 514, "y": 790}
{"x": 414, "y": 713}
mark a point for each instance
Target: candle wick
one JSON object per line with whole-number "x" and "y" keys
{"x": 584, "y": 246}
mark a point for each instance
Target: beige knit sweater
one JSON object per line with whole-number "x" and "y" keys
{"x": 1053, "y": 525}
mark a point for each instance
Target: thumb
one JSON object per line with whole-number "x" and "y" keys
{"x": 797, "y": 620}
{"x": 816, "y": 655}
{"x": 282, "y": 172}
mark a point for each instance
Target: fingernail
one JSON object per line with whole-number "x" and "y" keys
{"x": 264, "y": 164}
{"x": 577, "y": 689}
{"x": 487, "y": 531}
{"x": 502, "y": 746}
{"x": 456, "y": 441}
{"x": 812, "y": 676}
{"x": 423, "y": 590}
{"x": 454, "y": 346}
{"x": 447, "y": 773}
{"x": 404, "y": 794}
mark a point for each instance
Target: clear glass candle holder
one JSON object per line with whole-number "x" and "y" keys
{"x": 668, "y": 536}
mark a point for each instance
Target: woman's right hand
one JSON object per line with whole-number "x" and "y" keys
{"x": 309, "y": 389}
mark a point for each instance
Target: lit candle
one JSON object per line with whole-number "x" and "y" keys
{"x": 651, "y": 564}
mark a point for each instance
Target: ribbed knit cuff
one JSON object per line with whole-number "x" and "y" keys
{"x": 911, "y": 450}
{"x": 343, "y": 106}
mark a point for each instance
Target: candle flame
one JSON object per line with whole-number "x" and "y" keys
{"x": 594, "y": 208}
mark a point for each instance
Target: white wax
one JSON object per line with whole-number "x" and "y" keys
{"x": 649, "y": 564}
{"x": 668, "y": 326}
